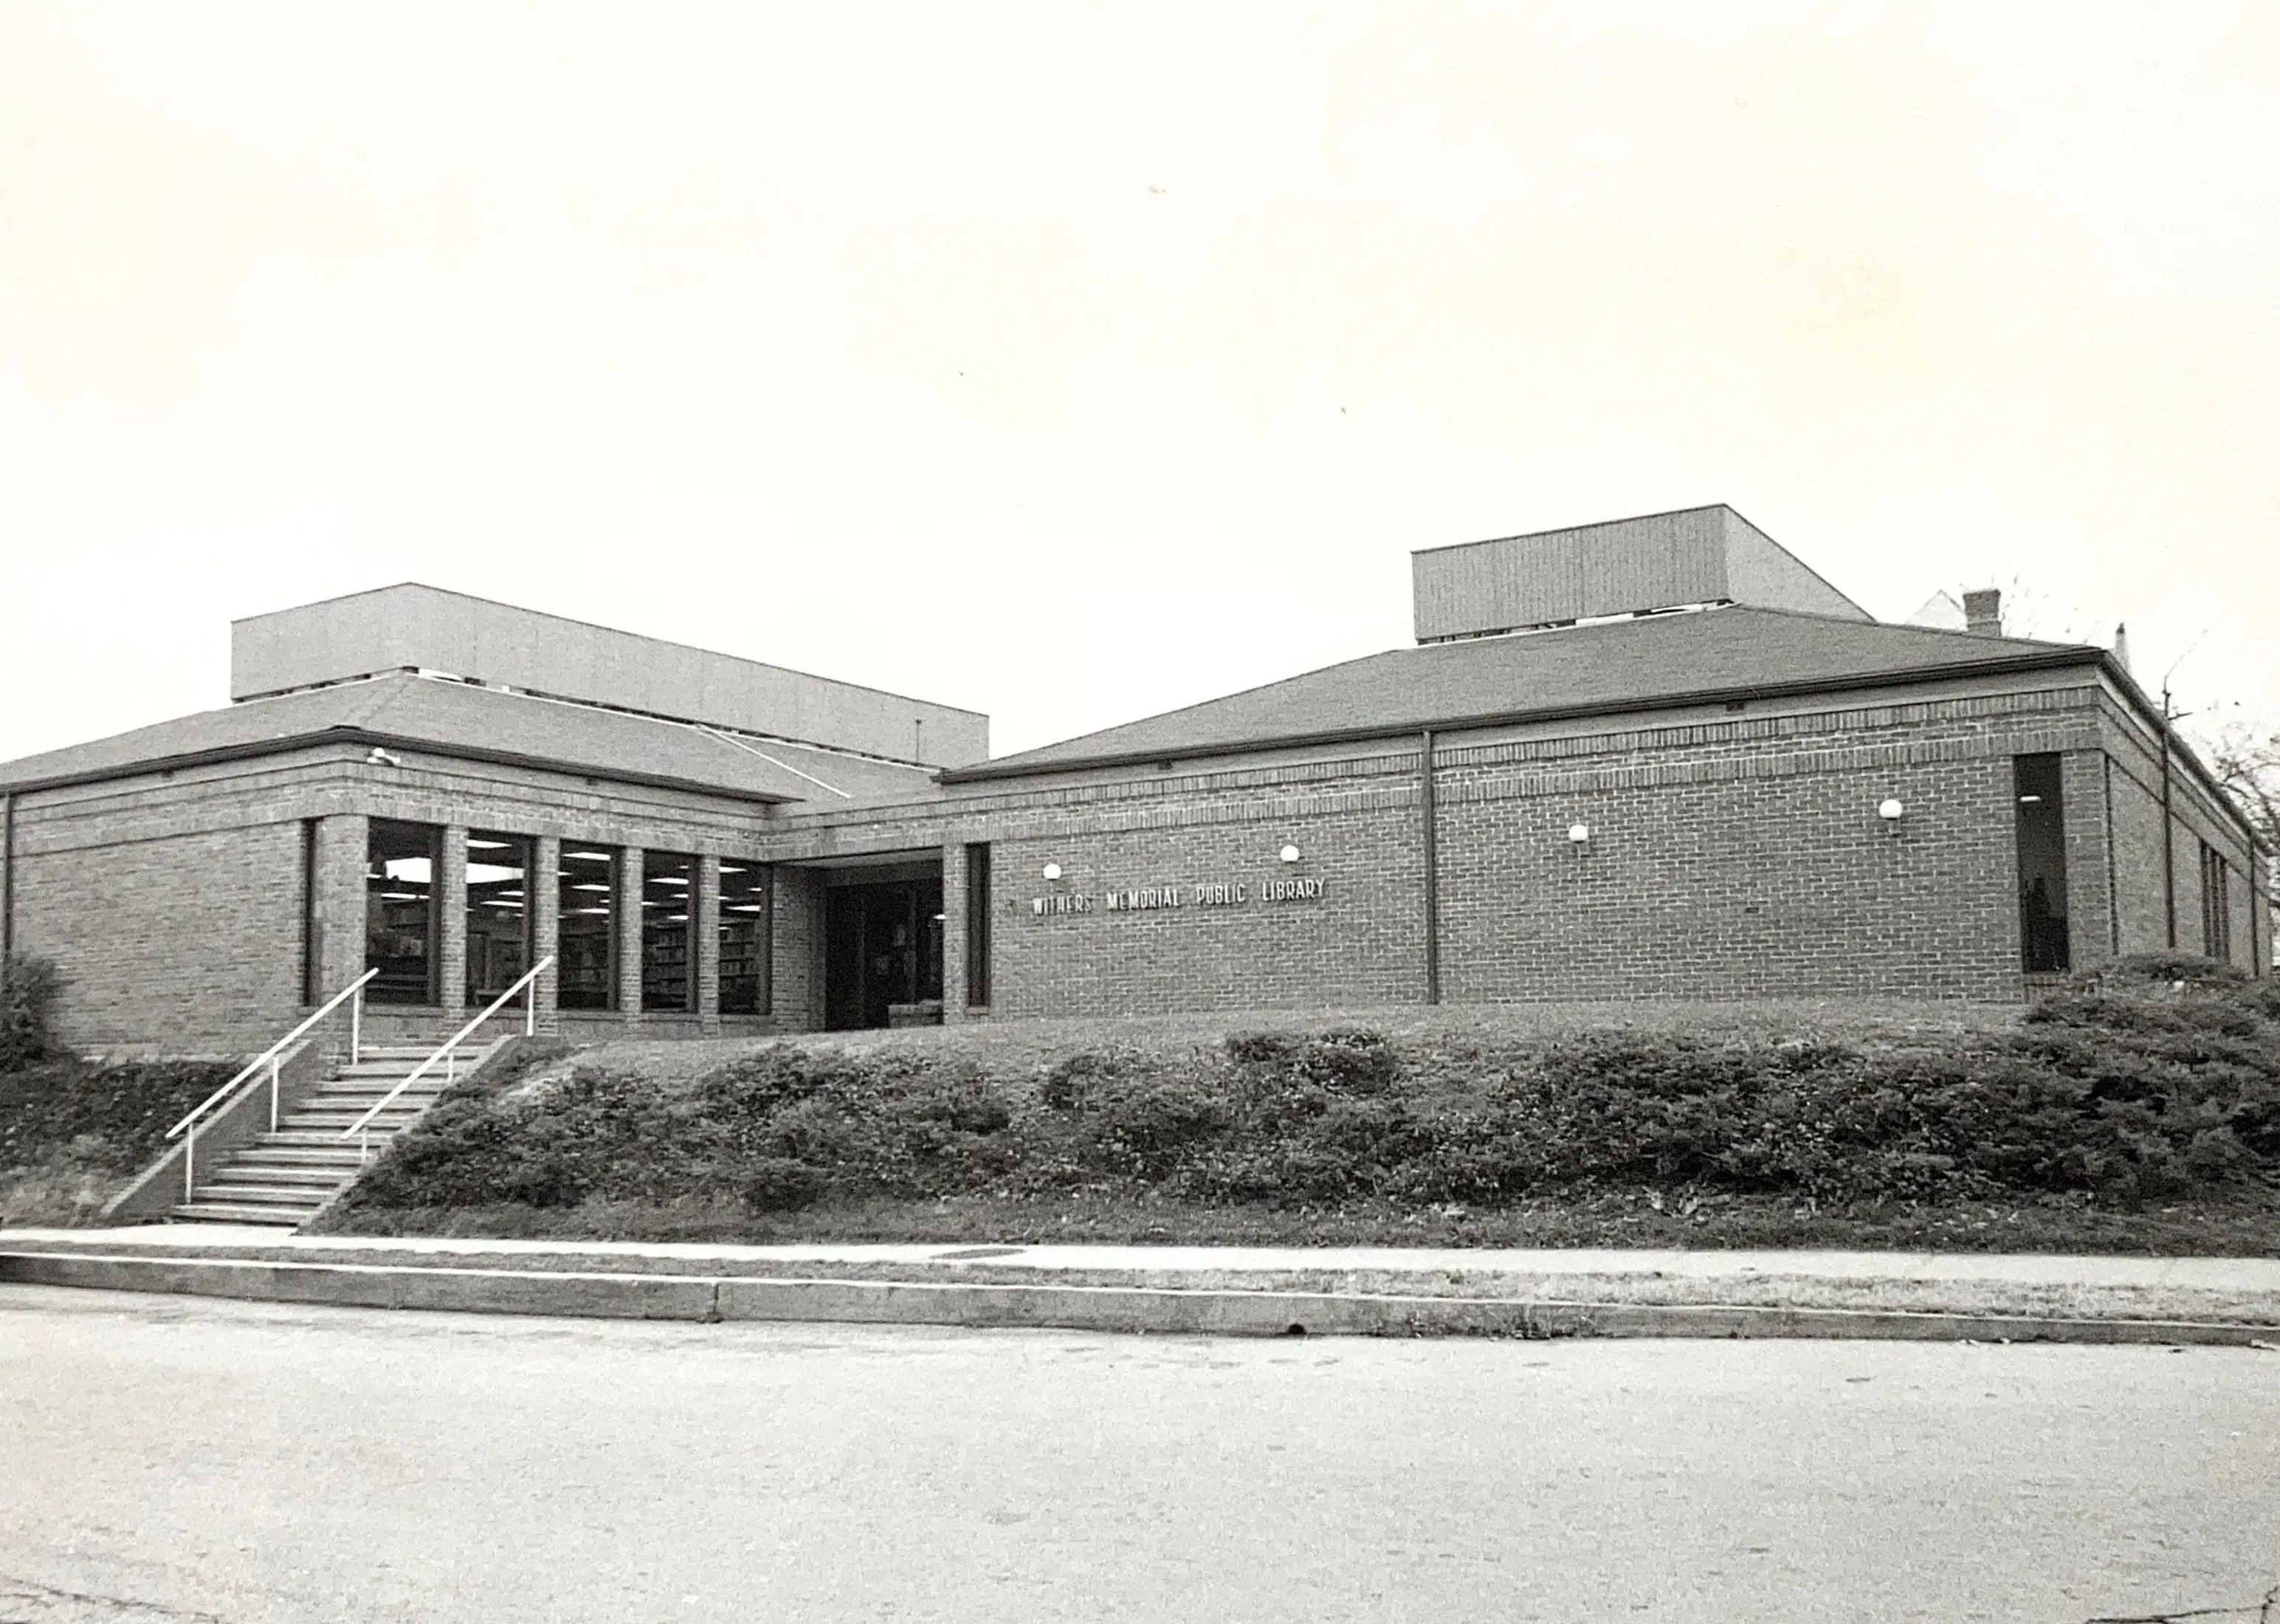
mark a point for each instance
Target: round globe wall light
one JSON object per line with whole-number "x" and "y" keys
{"x": 1579, "y": 832}
{"x": 1053, "y": 871}
{"x": 1290, "y": 854}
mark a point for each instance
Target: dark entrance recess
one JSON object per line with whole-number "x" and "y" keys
{"x": 2043, "y": 941}
{"x": 883, "y": 954}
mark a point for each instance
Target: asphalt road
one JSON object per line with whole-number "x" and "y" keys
{"x": 163, "y": 1458}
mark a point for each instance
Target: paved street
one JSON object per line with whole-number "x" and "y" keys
{"x": 163, "y": 1458}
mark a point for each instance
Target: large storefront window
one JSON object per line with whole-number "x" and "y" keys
{"x": 668, "y": 978}
{"x": 400, "y": 911}
{"x": 498, "y": 913}
{"x": 586, "y": 977}
{"x": 2042, "y": 864}
{"x": 745, "y": 938}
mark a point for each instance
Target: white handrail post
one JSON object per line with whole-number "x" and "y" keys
{"x": 273, "y": 1094}
{"x": 531, "y": 1011}
{"x": 450, "y": 1067}
{"x": 356, "y": 1028}
{"x": 189, "y": 1165}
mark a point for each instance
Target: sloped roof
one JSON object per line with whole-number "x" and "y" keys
{"x": 414, "y": 713}
{"x": 1617, "y": 666}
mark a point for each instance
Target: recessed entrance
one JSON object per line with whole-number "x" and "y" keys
{"x": 882, "y": 951}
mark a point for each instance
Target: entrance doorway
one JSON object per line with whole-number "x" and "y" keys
{"x": 883, "y": 954}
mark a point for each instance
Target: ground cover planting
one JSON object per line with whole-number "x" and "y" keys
{"x": 2137, "y": 1110}
{"x": 73, "y": 1133}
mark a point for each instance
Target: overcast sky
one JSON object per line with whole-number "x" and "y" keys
{"x": 1073, "y": 362}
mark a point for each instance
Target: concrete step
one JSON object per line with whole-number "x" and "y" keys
{"x": 268, "y": 1177}
{"x": 295, "y": 1204}
{"x": 377, "y": 1087}
{"x": 343, "y": 1158}
{"x": 338, "y": 1117}
{"x": 288, "y": 1137}
{"x": 214, "y": 1213}
{"x": 365, "y": 1099}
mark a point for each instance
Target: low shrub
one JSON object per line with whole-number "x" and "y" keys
{"x": 782, "y": 1184}
{"x": 29, "y": 986}
{"x": 2149, "y": 1080}
{"x": 78, "y": 1130}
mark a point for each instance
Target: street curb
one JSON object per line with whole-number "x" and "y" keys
{"x": 1129, "y": 1309}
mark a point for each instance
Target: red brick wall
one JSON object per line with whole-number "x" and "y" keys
{"x": 173, "y": 902}
{"x": 2135, "y": 754}
{"x": 180, "y": 943}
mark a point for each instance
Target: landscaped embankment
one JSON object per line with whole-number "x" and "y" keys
{"x": 2139, "y": 1112}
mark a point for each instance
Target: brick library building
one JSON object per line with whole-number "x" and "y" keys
{"x": 1659, "y": 758}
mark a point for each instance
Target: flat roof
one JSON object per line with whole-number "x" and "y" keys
{"x": 411, "y": 626}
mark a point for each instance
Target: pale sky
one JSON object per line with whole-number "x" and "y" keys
{"x": 1073, "y": 362}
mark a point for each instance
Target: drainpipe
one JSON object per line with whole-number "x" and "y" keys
{"x": 1429, "y": 818}
{"x": 7, "y": 874}
{"x": 2169, "y": 828}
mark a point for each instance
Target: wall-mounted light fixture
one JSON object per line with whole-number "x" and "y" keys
{"x": 1580, "y": 834}
{"x": 1290, "y": 854}
{"x": 1053, "y": 871}
{"x": 381, "y": 759}
{"x": 1892, "y": 811}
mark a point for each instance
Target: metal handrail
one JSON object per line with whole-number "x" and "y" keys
{"x": 269, "y": 1057}
{"x": 276, "y": 1049}
{"x": 445, "y": 1054}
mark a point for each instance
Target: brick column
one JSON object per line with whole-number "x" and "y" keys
{"x": 542, "y": 891}
{"x": 338, "y": 926}
{"x": 2089, "y": 859}
{"x": 452, "y": 904}
{"x": 953, "y": 932}
{"x": 704, "y": 943}
{"x": 341, "y": 852}
{"x": 629, "y": 932}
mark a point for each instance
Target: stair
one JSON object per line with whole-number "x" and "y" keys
{"x": 283, "y": 1177}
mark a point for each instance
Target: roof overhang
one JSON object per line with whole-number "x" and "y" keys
{"x": 1676, "y": 699}
{"x": 370, "y": 738}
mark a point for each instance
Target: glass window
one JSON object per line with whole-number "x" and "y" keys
{"x": 498, "y": 914}
{"x": 2216, "y": 904}
{"x": 400, "y": 911}
{"x": 2042, "y": 864}
{"x": 586, "y": 970}
{"x": 668, "y": 880}
{"x": 746, "y": 937}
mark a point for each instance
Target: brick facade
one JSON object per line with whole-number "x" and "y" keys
{"x": 1732, "y": 852}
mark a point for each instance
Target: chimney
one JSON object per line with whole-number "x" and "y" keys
{"x": 1982, "y": 612}
{"x": 2121, "y": 645}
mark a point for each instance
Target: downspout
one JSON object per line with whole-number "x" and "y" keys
{"x": 1429, "y": 818}
{"x": 7, "y": 874}
{"x": 2113, "y": 883}
{"x": 2169, "y": 830}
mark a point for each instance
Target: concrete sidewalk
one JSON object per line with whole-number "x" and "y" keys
{"x": 1380, "y": 1290}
